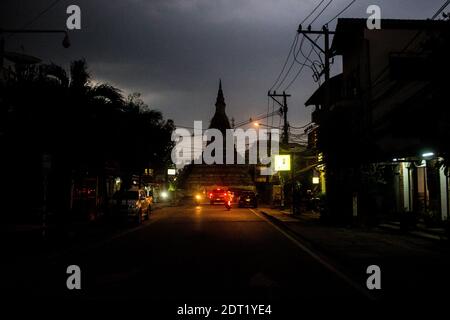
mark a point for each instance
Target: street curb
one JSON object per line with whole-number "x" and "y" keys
{"x": 327, "y": 257}
{"x": 414, "y": 233}
{"x": 311, "y": 244}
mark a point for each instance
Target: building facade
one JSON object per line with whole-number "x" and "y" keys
{"x": 384, "y": 131}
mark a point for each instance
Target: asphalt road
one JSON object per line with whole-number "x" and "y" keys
{"x": 191, "y": 254}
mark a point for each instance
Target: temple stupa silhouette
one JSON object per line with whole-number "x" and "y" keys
{"x": 220, "y": 119}
{"x": 204, "y": 177}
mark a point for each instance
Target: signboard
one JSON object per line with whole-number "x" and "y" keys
{"x": 148, "y": 172}
{"x": 171, "y": 172}
{"x": 282, "y": 162}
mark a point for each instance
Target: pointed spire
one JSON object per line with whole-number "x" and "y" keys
{"x": 220, "y": 120}
{"x": 220, "y": 101}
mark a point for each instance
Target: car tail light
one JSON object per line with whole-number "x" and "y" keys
{"x": 225, "y": 194}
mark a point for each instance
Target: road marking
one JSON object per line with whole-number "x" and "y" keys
{"x": 319, "y": 259}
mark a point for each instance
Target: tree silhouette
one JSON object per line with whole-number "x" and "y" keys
{"x": 81, "y": 124}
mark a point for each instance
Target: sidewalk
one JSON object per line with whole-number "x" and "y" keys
{"x": 412, "y": 262}
{"x": 392, "y": 226}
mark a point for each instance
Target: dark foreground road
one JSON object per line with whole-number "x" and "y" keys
{"x": 189, "y": 254}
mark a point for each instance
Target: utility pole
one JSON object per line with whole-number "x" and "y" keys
{"x": 284, "y": 109}
{"x": 330, "y": 181}
{"x": 327, "y": 53}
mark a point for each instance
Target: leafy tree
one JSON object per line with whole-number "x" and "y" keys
{"x": 80, "y": 123}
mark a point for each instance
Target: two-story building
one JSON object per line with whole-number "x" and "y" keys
{"x": 385, "y": 127}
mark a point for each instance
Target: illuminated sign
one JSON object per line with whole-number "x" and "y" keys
{"x": 282, "y": 162}
{"x": 171, "y": 172}
{"x": 316, "y": 180}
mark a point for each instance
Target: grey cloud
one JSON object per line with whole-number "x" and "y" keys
{"x": 174, "y": 51}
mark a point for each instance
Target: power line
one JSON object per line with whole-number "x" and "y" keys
{"x": 273, "y": 109}
{"x": 301, "y": 127}
{"x": 303, "y": 64}
{"x": 312, "y": 12}
{"x": 317, "y": 38}
{"x": 26, "y": 25}
{"x": 312, "y": 62}
{"x": 440, "y": 10}
{"x": 289, "y": 70}
{"x": 307, "y": 57}
{"x": 242, "y": 123}
{"x": 320, "y": 13}
{"x": 299, "y": 71}
{"x": 377, "y": 80}
{"x": 285, "y": 62}
{"x": 342, "y": 11}
{"x": 54, "y": 3}
{"x": 294, "y": 42}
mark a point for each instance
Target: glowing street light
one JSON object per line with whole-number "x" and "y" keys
{"x": 427, "y": 154}
{"x": 258, "y": 124}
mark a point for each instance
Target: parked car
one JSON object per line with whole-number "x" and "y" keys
{"x": 247, "y": 199}
{"x": 217, "y": 195}
{"x": 134, "y": 205}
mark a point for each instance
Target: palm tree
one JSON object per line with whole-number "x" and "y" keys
{"x": 82, "y": 124}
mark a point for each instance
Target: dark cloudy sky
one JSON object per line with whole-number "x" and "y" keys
{"x": 174, "y": 51}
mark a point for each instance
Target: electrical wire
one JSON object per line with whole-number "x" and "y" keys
{"x": 294, "y": 42}
{"x": 26, "y": 25}
{"x": 320, "y": 13}
{"x": 245, "y": 122}
{"x": 312, "y": 12}
{"x": 440, "y": 10}
{"x": 299, "y": 71}
{"x": 285, "y": 62}
{"x": 317, "y": 38}
{"x": 378, "y": 79}
{"x": 303, "y": 64}
{"x": 289, "y": 70}
{"x": 341, "y": 12}
{"x": 302, "y": 127}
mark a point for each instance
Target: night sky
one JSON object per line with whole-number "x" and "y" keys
{"x": 175, "y": 51}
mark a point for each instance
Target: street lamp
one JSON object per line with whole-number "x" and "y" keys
{"x": 258, "y": 124}
{"x": 65, "y": 41}
{"x": 427, "y": 154}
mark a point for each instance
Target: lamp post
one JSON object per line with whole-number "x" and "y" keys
{"x": 291, "y": 169}
{"x": 65, "y": 41}
{"x": 46, "y": 161}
